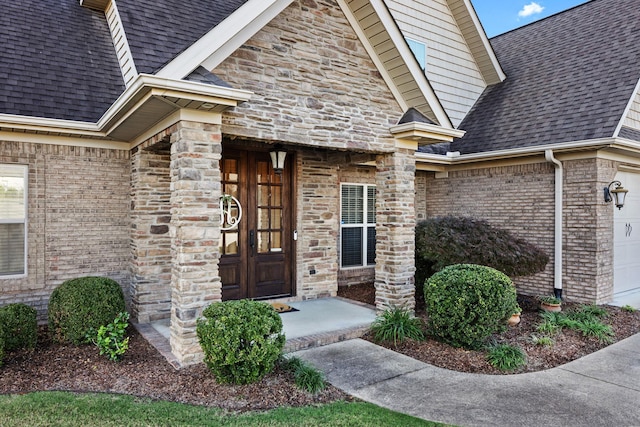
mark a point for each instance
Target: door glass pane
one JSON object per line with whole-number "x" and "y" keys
{"x": 263, "y": 219}
{"x": 276, "y": 219}
{"x": 231, "y": 244}
{"x": 231, "y": 189}
{"x": 276, "y": 241}
{"x": 276, "y": 196}
{"x": 263, "y": 195}
{"x": 263, "y": 242}
{"x": 230, "y": 170}
{"x": 262, "y": 169}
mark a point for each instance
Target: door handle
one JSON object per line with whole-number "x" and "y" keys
{"x": 252, "y": 240}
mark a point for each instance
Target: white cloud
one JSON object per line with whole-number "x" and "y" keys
{"x": 530, "y": 9}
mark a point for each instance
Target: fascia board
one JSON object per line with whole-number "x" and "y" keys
{"x": 425, "y": 130}
{"x": 591, "y": 144}
{"x": 414, "y": 68}
{"x": 627, "y": 109}
{"x": 224, "y": 39}
{"x": 132, "y": 98}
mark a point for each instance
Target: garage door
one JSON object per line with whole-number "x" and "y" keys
{"x": 626, "y": 236}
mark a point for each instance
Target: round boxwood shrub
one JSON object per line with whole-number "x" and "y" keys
{"x": 241, "y": 340}
{"x": 467, "y": 303}
{"x": 78, "y": 307}
{"x": 19, "y": 323}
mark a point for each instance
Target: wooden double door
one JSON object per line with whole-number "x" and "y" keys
{"x": 256, "y": 251}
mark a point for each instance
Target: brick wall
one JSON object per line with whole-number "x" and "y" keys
{"x": 588, "y": 231}
{"x": 517, "y": 198}
{"x": 521, "y": 199}
{"x": 78, "y": 218}
{"x": 313, "y": 82}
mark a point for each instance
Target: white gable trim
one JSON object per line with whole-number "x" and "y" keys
{"x": 625, "y": 114}
{"x": 476, "y": 38}
{"x": 120, "y": 43}
{"x": 219, "y": 43}
{"x": 423, "y": 93}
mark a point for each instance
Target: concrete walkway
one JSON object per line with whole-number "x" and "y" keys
{"x": 601, "y": 389}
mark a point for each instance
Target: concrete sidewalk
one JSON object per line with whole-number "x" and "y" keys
{"x": 601, "y": 389}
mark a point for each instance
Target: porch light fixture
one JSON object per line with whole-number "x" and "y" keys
{"x": 619, "y": 193}
{"x": 278, "y": 156}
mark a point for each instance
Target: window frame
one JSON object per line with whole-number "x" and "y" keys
{"x": 365, "y": 225}
{"x": 24, "y": 221}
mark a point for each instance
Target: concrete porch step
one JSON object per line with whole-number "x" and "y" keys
{"x": 316, "y": 323}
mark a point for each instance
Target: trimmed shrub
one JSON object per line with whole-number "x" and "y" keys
{"x": 1, "y": 346}
{"x": 241, "y": 340}
{"x": 78, "y": 307}
{"x": 452, "y": 240}
{"x": 20, "y": 325}
{"x": 467, "y": 303}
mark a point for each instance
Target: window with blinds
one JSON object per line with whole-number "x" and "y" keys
{"x": 357, "y": 225}
{"x": 13, "y": 219}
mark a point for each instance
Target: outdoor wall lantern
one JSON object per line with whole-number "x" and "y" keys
{"x": 619, "y": 193}
{"x": 278, "y": 156}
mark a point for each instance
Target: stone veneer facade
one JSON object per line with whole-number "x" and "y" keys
{"x": 77, "y": 218}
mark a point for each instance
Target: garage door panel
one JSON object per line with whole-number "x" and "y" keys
{"x": 626, "y": 236}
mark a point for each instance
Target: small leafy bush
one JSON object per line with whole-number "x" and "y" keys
{"x": 586, "y": 319}
{"x": 542, "y": 341}
{"x": 468, "y": 303}
{"x": 506, "y": 357}
{"x": 78, "y": 307}
{"x": 306, "y": 376}
{"x": 110, "y": 338}
{"x": 241, "y": 340}
{"x": 20, "y": 325}
{"x": 397, "y": 324}
{"x": 453, "y": 240}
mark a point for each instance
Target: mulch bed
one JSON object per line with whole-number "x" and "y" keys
{"x": 568, "y": 345}
{"x": 144, "y": 372}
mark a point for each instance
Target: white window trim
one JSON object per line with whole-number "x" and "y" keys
{"x": 25, "y": 222}
{"x": 365, "y": 226}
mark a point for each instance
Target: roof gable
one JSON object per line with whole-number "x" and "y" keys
{"x": 48, "y": 69}
{"x": 569, "y": 78}
{"x": 158, "y": 31}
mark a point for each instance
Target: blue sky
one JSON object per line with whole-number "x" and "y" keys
{"x": 499, "y": 16}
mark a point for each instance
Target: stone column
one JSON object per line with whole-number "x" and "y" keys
{"x": 196, "y": 151}
{"x": 395, "y": 229}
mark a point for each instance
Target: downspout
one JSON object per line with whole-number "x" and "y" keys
{"x": 557, "y": 269}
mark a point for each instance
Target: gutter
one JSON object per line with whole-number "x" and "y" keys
{"x": 558, "y": 231}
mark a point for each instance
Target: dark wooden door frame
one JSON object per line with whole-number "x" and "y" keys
{"x": 250, "y": 273}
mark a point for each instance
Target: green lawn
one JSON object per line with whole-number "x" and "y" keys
{"x": 68, "y": 409}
